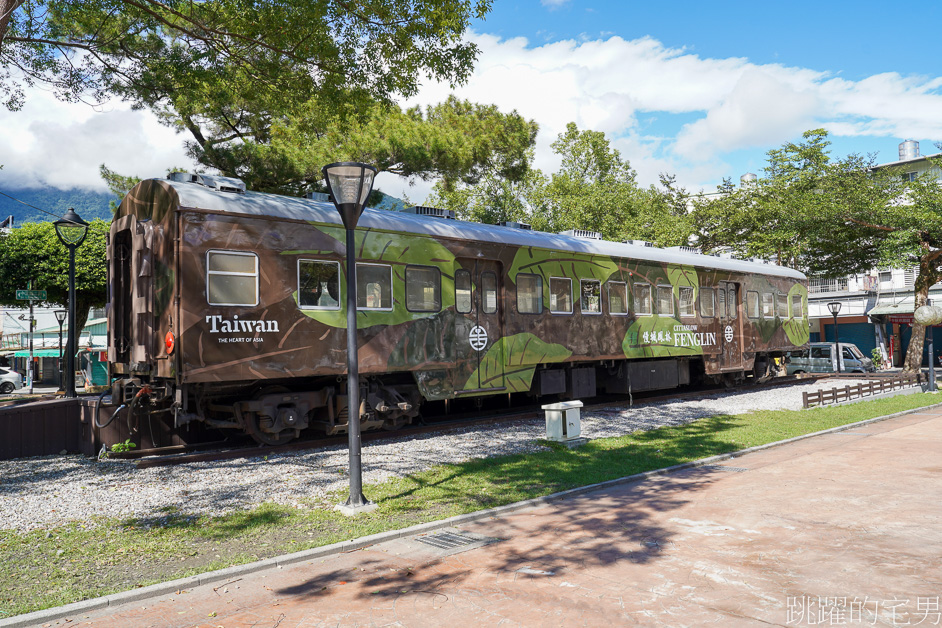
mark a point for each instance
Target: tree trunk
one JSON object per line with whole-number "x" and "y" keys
{"x": 927, "y": 276}
{"x": 7, "y": 7}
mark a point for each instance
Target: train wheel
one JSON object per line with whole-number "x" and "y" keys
{"x": 256, "y": 424}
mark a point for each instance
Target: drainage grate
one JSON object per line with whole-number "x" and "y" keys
{"x": 719, "y": 467}
{"x": 447, "y": 540}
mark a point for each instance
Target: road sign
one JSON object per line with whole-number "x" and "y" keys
{"x": 31, "y": 295}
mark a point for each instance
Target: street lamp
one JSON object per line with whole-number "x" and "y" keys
{"x": 71, "y": 230}
{"x": 835, "y": 307}
{"x": 60, "y": 316}
{"x": 350, "y": 184}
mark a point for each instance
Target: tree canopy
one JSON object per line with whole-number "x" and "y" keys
{"x": 34, "y": 253}
{"x": 832, "y": 217}
{"x": 454, "y": 141}
{"x": 595, "y": 189}
{"x": 152, "y": 52}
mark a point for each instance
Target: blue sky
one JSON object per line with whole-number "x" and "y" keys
{"x": 697, "y": 89}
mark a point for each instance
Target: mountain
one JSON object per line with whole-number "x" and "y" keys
{"x": 89, "y": 205}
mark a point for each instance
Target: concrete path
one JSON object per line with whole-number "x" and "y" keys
{"x": 840, "y": 529}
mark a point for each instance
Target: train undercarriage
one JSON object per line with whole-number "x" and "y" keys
{"x": 276, "y": 412}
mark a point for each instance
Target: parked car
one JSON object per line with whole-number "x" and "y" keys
{"x": 9, "y": 381}
{"x": 819, "y": 357}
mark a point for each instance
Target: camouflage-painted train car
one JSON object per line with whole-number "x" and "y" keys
{"x": 228, "y": 307}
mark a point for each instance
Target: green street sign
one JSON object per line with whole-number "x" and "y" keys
{"x": 30, "y": 295}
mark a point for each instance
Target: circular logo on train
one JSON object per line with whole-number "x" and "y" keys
{"x": 728, "y": 333}
{"x": 478, "y": 337}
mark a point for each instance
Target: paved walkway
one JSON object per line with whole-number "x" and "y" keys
{"x": 841, "y": 529}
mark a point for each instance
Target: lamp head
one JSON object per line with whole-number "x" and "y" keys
{"x": 60, "y": 315}
{"x": 71, "y": 229}
{"x": 834, "y": 307}
{"x": 349, "y": 184}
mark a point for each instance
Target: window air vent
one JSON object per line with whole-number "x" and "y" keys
{"x": 685, "y": 249}
{"x": 582, "y": 233}
{"x": 639, "y": 243}
{"x": 515, "y": 225}
{"x": 323, "y": 197}
{"x": 434, "y": 212}
{"x": 222, "y": 184}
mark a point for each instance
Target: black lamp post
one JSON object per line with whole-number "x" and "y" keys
{"x": 60, "y": 316}
{"x": 835, "y": 307}
{"x": 350, "y": 184}
{"x": 71, "y": 230}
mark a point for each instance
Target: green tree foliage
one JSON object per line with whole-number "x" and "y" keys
{"x": 454, "y": 141}
{"x": 595, "y": 189}
{"x": 34, "y": 253}
{"x": 153, "y": 52}
{"x": 833, "y": 217}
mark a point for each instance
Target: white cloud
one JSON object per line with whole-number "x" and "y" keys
{"x": 607, "y": 84}
{"x": 61, "y": 145}
{"x": 613, "y": 85}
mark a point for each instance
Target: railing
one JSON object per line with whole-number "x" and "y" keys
{"x": 10, "y": 341}
{"x": 817, "y": 285}
{"x": 849, "y": 393}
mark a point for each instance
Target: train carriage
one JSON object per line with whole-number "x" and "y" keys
{"x": 228, "y": 307}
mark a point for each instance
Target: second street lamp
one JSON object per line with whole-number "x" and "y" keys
{"x": 350, "y": 185}
{"x": 71, "y": 230}
{"x": 60, "y": 316}
{"x": 835, "y": 307}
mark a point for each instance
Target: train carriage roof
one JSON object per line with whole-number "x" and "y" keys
{"x": 196, "y": 196}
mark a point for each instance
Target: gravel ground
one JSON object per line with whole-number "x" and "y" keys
{"x": 48, "y": 491}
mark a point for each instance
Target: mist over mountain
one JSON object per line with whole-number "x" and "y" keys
{"x": 88, "y": 204}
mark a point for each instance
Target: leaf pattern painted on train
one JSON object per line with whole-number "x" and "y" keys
{"x": 426, "y": 343}
{"x": 796, "y": 329}
{"x": 514, "y": 358}
{"x": 398, "y": 251}
{"x": 656, "y": 337}
{"x": 560, "y": 264}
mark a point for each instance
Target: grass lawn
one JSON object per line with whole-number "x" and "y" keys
{"x": 46, "y": 568}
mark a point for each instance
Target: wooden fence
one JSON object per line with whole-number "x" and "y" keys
{"x": 856, "y": 391}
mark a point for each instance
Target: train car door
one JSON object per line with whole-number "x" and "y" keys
{"x": 478, "y": 326}
{"x": 730, "y": 336}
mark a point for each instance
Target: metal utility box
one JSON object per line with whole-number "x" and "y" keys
{"x": 563, "y": 421}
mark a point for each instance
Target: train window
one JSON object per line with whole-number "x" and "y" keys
{"x": 591, "y": 296}
{"x": 732, "y": 302}
{"x": 617, "y": 298}
{"x": 462, "y": 291}
{"x": 665, "y": 301}
{"x": 642, "y": 292}
{"x": 796, "y": 307}
{"x": 782, "y": 301}
{"x": 685, "y": 298}
{"x": 374, "y": 287}
{"x": 489, "y": 282}
{"x": 752, "y": 304}
{"x": 529, "y": 294}
{"x": 721, "y": 301}
{"x": 318, "y": 285}
{"x": 768, "y": 305}
{"x": 707, "y": 309}
{"x": 231, "y": 278}
{"x": 560, "y": 295}
{"x": 423, "y": 289}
